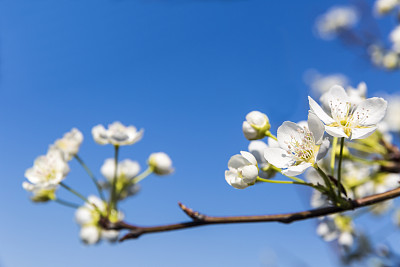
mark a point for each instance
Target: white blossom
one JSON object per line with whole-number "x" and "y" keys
{"x": 320, "y": 83}
{"x": 300, "y": 147}
{"x": 126, "y": 171}
{"x": 257, "y": 148}
{"x": 335, "y": 20}
{"x": 49, "y": 169}
{"x": 88, "y": 217}
{"x": 69, "y": 144}
{"x": 40, "y": 193}
{"x": 392, "y": 118}
{"x": 255, "y": 125}
{"x": 338, "y": 227}
{"x": 390, "y": 60}
{"x": 116, "y": 134}
{"x": 242, "y": 171}
{"x": 348, "y": 119}
{"x": 385, "y": 6}
{"x": 160, "y": 163}
{"x": 395, "y": 38}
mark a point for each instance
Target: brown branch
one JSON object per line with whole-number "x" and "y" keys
{"x": 199, "y": 219}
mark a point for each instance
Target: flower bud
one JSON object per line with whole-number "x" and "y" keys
{"x": 161, "y": 163}
{"x": 256, "y": 125}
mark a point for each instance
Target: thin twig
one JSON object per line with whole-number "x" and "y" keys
{"x": 198, "y": 219}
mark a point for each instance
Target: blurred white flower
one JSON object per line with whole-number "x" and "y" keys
{"x": 160, "y": 163}
{"x": 395, "y": 38}
{"x": 47, "y": 170}
{"x": 376, "y": 53}
{"x": 300, "y": 147}
{"x": 126, "y": 171}
{"x": 335, "y": 20}
{"x": 69, "y": 144}
{"x": 338, "y": 227}
{"x": 116, "y": 134}
{"x": 348, "y": 119}
{"x": 385, "y": 6}
{"x": 320, "y": 83}
{"x": 390, "y": 60}
{"x": 392, "y": 118}
{"x": 256, "y": 125}
{"x": 88, "y": 217}
{"x": 242, "y": 171}
{"x": 40, "y": 193}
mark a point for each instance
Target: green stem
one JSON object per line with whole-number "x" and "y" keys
{"x": 91, "y": 175}
{"x": 143, "y": 175}
{"x": 333, "y": 155}
{"x": 290, "y": 177}
{"x": 74, "y": 192}
{"x": 367, "y": 149}
{"x": 339, "y": 175}
{"x": 283, "y": 182}
{"x": 370, "y": 162}
{"x": 112, "y": 203}
{"x": 66, "y": 203}
{"x": 269, "y": 134}
{"x": 327, "y": 182}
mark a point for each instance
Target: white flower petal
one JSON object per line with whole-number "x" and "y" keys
{"x": 319, "y": 111}
{"x": 337, "y": 96}
{"x": 346, "y": 239}
{"x": 89, "y": 235}
{"x": 370, "y": 111}
{"x": 272, "y": 142}
{"x": 316, "y": 127}
{"x": 249, "y": 174}
{"x": 257, "y": 149}
{"x": 296, "y": 169}
{"x": 237, "y": 161}
{"x": 278, "y": 157}
{"x": 323, "y": 149}
{"x": 83, "y": 215}
{"x": 289, "y": 132}
{"x": 249, "y": 157}
{"x": 335, "y": 131}
{"x": 249, "y": 132}
{"x": 360, "y": 133}
{"x": 108, "y": 169}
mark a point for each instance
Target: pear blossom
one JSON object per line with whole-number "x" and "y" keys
{"x": 300, "y": 147}
{"x": 126, "y": 171}
{"x": 88, "y": 217}
{"x": 336, "y": 19}
{"x": 160, "y": 163}
{"x": 320, "y": 83}
{"x": 392, "y": 118}
{"x": 69, "y": 144}
{"x": 385, "y": 6}
{"x": 390, "y": 60}
{"x": 347, "y": 119}
{"x": 40, "y": 193}
{"x": 49, "y": 169}
{"x": 338, "y": 227}
{"x": 257, "y": 148}
{"x": 395, "y": 38}
{"x": 256, "y": 125}
{"x": 116, "y": 134}
{"x": 243, "y": 170}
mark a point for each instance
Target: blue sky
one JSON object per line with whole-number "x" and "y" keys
{"x": 187, "y": 71}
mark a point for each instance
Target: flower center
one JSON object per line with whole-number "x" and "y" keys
{"x": 302, "y": 150}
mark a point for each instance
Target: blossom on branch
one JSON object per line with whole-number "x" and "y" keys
{"x": 126, "y": 171}
{"x": 117, "y": 134}
{"x": 88, "y": 217}
{"x": 300, "y": 147}
{"x": 347, "y": 119}
{"x": 336, "y": 20}
{"x": 69, "y": 144}
{"x": 160, "y": 163}
{"x": 256, "y": 125}
{"x": 243, "y": 170}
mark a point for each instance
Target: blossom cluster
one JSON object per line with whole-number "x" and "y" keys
{"x": 340, "y": 149}
{"x": 121, "y": 178}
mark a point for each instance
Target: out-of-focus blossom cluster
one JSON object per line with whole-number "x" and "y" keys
{"x": 121, "y": 178}
{"x": 382, "y": 48}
